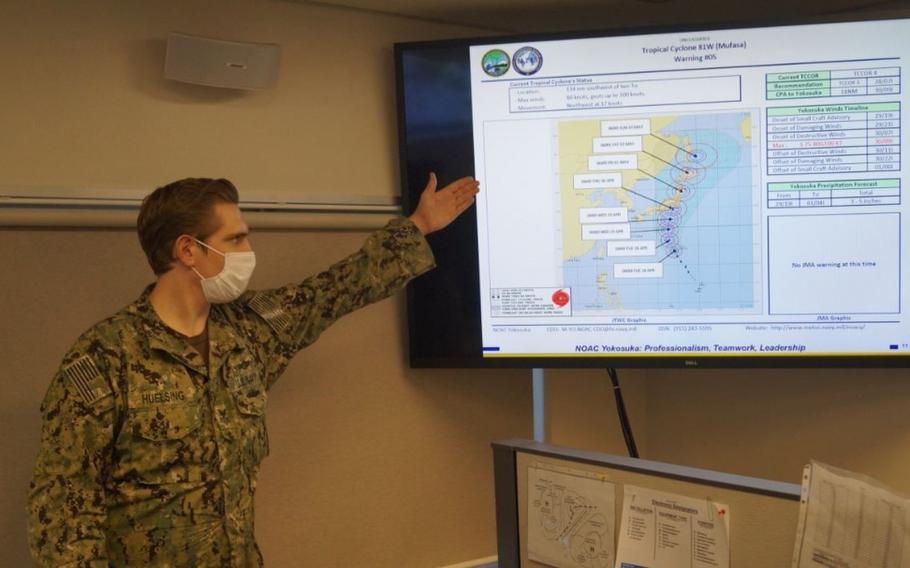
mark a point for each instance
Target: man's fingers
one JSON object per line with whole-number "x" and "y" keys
{"x": 468, "y": 190}
{"x": 464, "y": 199}
{"x": 431, "y": 183}
{"x": 463, "y": 206}
{"x": 462, "y": 183}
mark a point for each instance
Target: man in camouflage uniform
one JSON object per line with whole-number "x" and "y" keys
{"x": 154, "y": 426}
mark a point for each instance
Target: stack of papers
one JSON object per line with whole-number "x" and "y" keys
{"x": 847, "y": 520}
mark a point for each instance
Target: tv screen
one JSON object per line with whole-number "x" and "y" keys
{"x": 712, "y": 197}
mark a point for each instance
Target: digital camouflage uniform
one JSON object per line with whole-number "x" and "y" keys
{"x": 148, "y": 458}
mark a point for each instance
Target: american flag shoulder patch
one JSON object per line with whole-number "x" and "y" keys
{"x": 271, "y": 311}
{"x": 85, "y": 380}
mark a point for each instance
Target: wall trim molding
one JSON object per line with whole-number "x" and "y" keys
{"x": 118, "y": 209}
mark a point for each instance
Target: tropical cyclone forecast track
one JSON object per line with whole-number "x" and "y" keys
{"x": 660, "y": 213}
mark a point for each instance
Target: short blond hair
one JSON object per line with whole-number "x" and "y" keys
{"x": 183, "y": 207}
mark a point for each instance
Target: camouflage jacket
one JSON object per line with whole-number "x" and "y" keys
{"x": 148, "y": 458}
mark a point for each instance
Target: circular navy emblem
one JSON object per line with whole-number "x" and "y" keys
{"x": 495, "y": 62}
{"x": 527, "y": 60}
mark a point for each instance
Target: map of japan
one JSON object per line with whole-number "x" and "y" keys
{"x": 659, "y": 212}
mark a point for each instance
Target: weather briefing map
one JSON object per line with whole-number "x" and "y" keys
{"x": 696, "y": 194}
{"x": 658, "y": 212}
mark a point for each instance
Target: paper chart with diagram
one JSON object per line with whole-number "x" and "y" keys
{"x": 570, "y": 518}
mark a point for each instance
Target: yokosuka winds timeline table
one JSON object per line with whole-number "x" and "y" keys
{"x": 699, "y": 193}
{"x": 834, "y": 138}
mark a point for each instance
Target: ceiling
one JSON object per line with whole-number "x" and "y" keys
{"x": 524, "y": 16}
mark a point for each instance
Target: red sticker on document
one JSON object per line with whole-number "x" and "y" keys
{"x": 560, "y": 298}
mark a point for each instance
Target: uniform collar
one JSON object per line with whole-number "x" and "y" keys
{"x": 222, "y": 337}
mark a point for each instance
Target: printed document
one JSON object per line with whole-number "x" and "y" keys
{"x": 848, "y": 520}
{"x": 664, "y": 530}
{"x": 571, "y": 517}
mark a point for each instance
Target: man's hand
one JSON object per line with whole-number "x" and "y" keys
{"x": 436, "y": 209}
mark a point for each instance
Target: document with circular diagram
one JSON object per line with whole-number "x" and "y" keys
{"x": 571, "y": 517}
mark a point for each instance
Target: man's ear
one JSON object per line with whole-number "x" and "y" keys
{"x": 185, "y": 251}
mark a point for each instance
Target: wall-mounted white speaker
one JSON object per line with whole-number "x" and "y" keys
{"x": 221, "y": 63}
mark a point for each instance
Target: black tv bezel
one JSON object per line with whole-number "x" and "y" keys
{"x": 410, "y": 192}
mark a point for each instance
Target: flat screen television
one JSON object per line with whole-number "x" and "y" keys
{"x": 720, "y": 197}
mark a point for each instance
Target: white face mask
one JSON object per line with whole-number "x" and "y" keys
{"x": 231, "y": 282}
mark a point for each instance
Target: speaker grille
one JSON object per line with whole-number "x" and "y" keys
{"x": 221, "y": 63}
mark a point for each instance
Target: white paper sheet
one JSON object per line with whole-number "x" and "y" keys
{"x": 571, "y": 517}
{"x": 849, "y": 520}
{"x": 665, "y": 530}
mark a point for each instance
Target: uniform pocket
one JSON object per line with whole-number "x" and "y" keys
{"x": 165, "y": 446}
{"x": 248, "y": 393}
{"x": 160, "y": 423}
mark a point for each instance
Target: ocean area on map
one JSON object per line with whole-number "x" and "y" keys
{"x": 690, "y": 200}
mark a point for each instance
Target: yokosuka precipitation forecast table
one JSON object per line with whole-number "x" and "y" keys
{"x": 695, "y": 193}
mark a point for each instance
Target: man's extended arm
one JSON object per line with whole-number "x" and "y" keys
{"x": 66, "y": 500}
{"x": 297, "y": 314}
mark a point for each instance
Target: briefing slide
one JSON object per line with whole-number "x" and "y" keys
{"x": 725, "y": 192}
